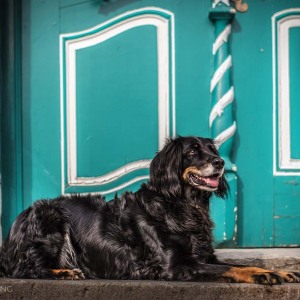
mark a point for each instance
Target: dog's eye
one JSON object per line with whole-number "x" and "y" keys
{"x": 192, "y": 152}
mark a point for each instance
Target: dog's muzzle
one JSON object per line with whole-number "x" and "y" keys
{"x": 207, "y": 179}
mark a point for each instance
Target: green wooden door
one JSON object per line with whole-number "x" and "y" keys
{"x": 286, "y": 122}
{"x": 265, "y": 50}
{"x": 98, "y": 94}
{"x": 117, "y": 98}
{"x": 102, "y": 84}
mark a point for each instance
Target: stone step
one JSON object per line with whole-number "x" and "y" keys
{"x": 142, "y": 290}
{"x": 273, "y": 258}
{"x": 156, "y": 290}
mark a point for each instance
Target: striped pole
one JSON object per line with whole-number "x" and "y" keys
{"x": 221, "y": 119}
{"x": 222, "y": 122}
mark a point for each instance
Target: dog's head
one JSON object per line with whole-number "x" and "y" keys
{"x": 188, "y": 162}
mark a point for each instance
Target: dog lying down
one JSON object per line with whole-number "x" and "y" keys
{"x": 162, "y": 231}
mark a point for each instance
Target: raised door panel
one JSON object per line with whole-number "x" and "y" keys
{"x": 286, "y": 101}
{"x": 117, "y": 100}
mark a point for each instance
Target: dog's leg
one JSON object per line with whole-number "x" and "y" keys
{"x": 67, "y": 274}
{"x": 287, "y": 276}
{"x": 39, "y": 241}
{"x": 251, "y": 274}
{"x": 227, "y": 273}
{"x": 259, "y": 275}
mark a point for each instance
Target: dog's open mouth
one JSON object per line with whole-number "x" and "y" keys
{"x": 207, "y": 179}
{"x": 209, "y": 182}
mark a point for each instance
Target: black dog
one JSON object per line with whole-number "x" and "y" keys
{"x": 163, "y": 231}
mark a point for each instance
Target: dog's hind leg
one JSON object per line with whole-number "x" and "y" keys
{"x": 38, "y": 242}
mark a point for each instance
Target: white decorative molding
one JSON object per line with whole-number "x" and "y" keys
{"x": 222, "y": 98}
{"x": 126, "y": 184}
{"x": 163, "y": 21}
{"x": 219, "y": 107}
{"x": 216, "y": 2}
{"x": 220, "y": 72}
{"x": 284, "y": 164}
{"x": 114, "y": 175}
{"x": 222, "y": 38}
{"x": 225, "y": 135}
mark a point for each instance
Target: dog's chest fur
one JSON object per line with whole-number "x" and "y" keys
{"x": 182, "y": 224}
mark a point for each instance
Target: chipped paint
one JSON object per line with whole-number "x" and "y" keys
{"x": 294, "y": 182}
{"x": 285, "y": 217}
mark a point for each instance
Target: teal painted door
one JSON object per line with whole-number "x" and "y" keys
{"x": 98, "y": 94}
{"x": 103, "y": 84}
{"x": 266, "y": 79}
{"x": 117, "y": 99}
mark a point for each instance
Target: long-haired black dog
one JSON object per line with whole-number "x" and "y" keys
{"x": 162, "y": 231}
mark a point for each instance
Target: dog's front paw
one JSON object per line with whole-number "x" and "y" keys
{"x": 270, "y": 278}
{"x": 254, "y": 275}
{"x": 67, "y": 274}
{"x": 261, "y": 276}
{"x": 291, "y": 277}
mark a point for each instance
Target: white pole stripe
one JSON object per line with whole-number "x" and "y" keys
{"x": 225, "y": 135}
{"x": 222, "y": 38}
{"x": 218, "y": 108}
{"x": 220, "y": 72}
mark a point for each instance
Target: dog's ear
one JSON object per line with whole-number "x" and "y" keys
{"x": 166, "y": 169}
{"x": 223, "y": 188}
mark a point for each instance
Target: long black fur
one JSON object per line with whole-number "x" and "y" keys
{"x": 162, "y": 231}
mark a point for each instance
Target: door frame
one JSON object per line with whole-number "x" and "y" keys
{"x": 11, "y": 111}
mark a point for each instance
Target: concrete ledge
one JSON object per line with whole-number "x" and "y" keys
{"x": 274, "y": 258}
{"x": 133, "y": 290}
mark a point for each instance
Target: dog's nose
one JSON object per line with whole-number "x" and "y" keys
{"x": 218, "y": 163}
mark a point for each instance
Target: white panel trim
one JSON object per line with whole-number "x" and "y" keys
{"x": 281, "y": 94}
{"x": 126, "y": 184}
{"x": 114, "y": 175}
{"x": 98, "y": 34}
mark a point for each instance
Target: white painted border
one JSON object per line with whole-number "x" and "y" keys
{"x": 119, "y": 187}
{"x": 92, "y": 37}
{"x": 126, "y": 184}
{"x": 114, "y": 175}
{"x": 281, "y": 130}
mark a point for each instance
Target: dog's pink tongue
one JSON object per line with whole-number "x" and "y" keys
{"x": 214, "y": 182}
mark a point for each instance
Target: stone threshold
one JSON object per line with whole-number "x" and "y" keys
{"x": 155, "y": 290}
